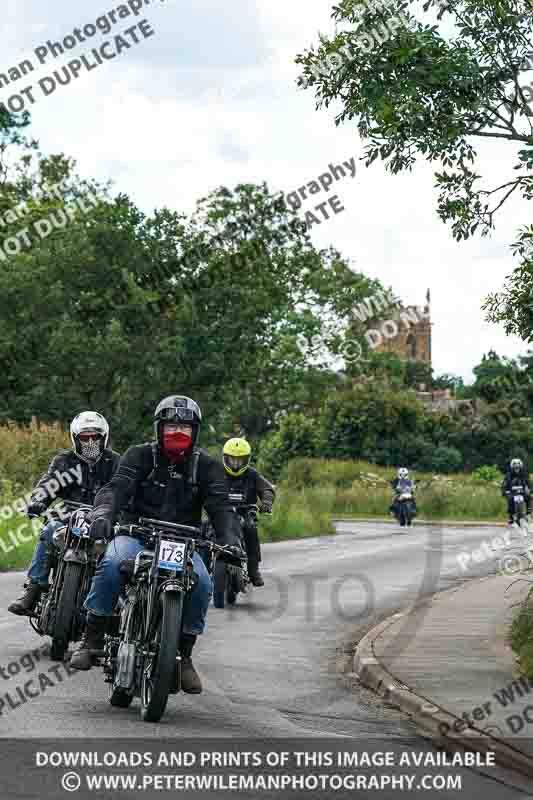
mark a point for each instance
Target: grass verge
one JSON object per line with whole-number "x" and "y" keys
{"x": 15, "y": 553}
{"x": 521, "y": 636}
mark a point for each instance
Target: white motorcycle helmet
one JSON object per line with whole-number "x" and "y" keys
{"x": 89, "y": 433}
{"x": 517, "y": 465}
{"x": 403, "y": 473}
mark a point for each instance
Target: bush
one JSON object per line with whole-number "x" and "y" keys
{"x": 487, "y": 474}
{"x": 376, "y": 423}
{"x": 298, "y": 435}
{"x": 446, "y": 459}
{"x": 369, "y": 422}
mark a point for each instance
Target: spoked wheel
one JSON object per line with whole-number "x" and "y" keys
{"x": 234, "y": 587}
{"x": 159, "y": 670}
{"x": 220, "y": 578}
{"x": 118, "y": 696}
{"x": 522, "y": 520}
{"x": 58, "y": 650}
{"x": 66, "y": 610}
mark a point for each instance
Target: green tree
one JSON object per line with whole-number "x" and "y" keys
{"x": 433, "y": 88}
{"x": 447, "y": 381}
{"x": 496, "y": 378}
{"x": 418, "y": 372}
{"x": 118, "y": 308}
{"x": 513, "y": 305}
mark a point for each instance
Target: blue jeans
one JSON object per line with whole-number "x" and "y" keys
{"x": 40, "y": 567}
{"x": 107, "y": 583}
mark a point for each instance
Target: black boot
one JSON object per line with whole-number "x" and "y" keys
{"x": 91, "y": 644}
{"x": 26, "y": 604}
{"x": 254, "y": 574}
{"x": 190, "y": 680}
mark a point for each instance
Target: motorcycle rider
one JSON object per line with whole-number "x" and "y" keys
{"x": 246, "y": 480}
{"x": 83, "y": 470}
{"x": 516, "y": 474}
{"x": 402, "y": 483}
{"x": 168, "y": 479}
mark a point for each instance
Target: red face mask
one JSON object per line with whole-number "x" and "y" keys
{"x": 176, "y": 444}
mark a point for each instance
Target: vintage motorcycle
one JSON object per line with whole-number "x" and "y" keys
{"x": 404, "y": 507}
{"x": 143, "y": 658}
{"x": 518, "y": 493}
{"x": 59, "y": 612}
{"x": 230, "y": 579}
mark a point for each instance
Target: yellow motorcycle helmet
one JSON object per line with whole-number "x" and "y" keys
{"x": 236, "y": 456}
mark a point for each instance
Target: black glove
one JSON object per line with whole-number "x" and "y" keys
{"x": 266, "y": 508}
{"x": 233, "y": 554}
{"x": 36, "y": 509}
{"x": 100, "y": 529}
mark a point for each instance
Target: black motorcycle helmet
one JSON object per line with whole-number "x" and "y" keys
{"x": 177, "y": 408}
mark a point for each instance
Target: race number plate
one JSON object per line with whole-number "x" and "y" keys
{"x": 518, "y": 498}
{"x": 172, "y": 555}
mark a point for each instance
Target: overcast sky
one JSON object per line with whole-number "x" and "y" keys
{"x": 211, "y": 100}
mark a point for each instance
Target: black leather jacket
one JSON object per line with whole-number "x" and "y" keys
{"x": 515, "y": 479}
{"x": 253, "y": 486}
{"x": 147, "y": 485}
{"x": 403, "y": 485}
{"x": 77, "y": 481}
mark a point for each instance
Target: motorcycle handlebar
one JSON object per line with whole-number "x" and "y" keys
{"x": 199, "y": 541}
{"x": 171, "y": 526}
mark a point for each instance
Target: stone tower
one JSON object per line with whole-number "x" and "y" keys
{"x": 406, "y": 333}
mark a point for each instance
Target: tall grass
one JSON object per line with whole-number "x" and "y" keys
{"x": 14, "y": 553}
{"x": 25, "y": 453}
{"x": 521, "y": 636}
{"x": 363, "y": 490}
{"x": 298, "y": 514}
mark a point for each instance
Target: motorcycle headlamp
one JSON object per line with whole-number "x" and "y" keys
{"x": 58, "y": 537}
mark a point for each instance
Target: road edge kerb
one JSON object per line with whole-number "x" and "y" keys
{"x": 428, "y": 716}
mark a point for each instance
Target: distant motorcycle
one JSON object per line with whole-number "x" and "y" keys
{"x": 404, "y": 506}
{"x": 59, "y": 612}
{"x": 231, "y": 579}
{"x": 519, "y": 492}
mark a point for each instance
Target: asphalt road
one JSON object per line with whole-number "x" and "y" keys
{"x": 278, "y": 664}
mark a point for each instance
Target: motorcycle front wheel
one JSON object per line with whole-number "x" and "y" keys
{"x": 66, "y": 610}
{"x": 233, "y": 586}
{"x": 159, "y": 670}
{"x": 220, "y": 579}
